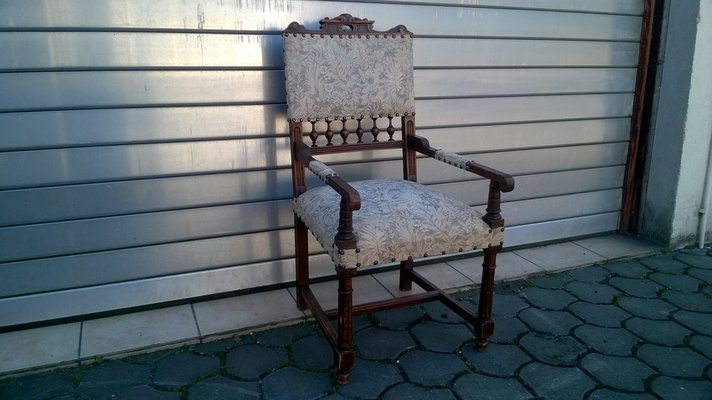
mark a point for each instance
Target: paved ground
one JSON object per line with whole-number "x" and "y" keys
{"x": 639, "y": 329}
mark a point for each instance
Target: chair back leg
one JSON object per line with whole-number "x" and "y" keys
{"x": 405, "y": 282}
{"x": 301, "y": 237}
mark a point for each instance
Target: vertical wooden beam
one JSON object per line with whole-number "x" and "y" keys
{"x": 638, "y": 136}
{"x": 409, "y": 164}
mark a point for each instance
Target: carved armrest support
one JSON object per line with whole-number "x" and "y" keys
{"x": 350, "y": 198}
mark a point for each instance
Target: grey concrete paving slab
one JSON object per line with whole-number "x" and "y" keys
{"x": 548, "y": 343}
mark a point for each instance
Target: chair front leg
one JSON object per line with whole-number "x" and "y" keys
{"x": 301, "y": 237}
{"x": 344, "y": 357}
{"x": 485, "y": 324}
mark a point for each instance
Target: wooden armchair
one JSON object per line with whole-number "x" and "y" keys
{"x": 345, "y": 78}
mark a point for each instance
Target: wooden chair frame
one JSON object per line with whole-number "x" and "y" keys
{"x": 340, "y": 338}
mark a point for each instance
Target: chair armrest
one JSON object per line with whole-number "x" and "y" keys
{"x": 328, "y": 176}
{"x": 421, "y": 145}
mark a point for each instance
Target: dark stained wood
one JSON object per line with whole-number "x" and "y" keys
{"x": 340, "y": 339}
{"x": 637, "y": 146}
{"x": 485, "y": 324}
{"x": 405, "y": 279}
{"x": 345, "y": 357}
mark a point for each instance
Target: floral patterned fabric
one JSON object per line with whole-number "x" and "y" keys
{"x": 348, "y": 76}
{"x": 397, "y": 220}
{"x": 321, "y": 170}
{"x": 453, "y": 159}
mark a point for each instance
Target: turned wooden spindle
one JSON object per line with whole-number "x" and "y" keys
{"x": 390, "y": 130}
{"x": 359, "y": 131}
{"x": 313, "y": 135}
{"x": 344, "y": 132}
{"x": 329, "y": 134}
{"x": 374, "y": 129}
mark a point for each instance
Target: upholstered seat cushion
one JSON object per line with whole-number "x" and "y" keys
{"x": 397, "y": 220}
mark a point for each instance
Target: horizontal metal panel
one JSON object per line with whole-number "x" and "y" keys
{"x": 524, "y": 162}
{"x": 98, "y": 234}
{"x": 559, "y": 207}
{"x": 144, "y": 262}
{"x": 277, "y": 14}
{"x": 146, "y": 125}
{"x": 89, "y": 50}
{"x": 65, "y": 166}
{"x": 535, "y": 186}
{"x": 140, "y": 196}
{"x": 561, "y": 229}
{"x": 86, "y": 164}
{"x": 91, "y": 89}
{"x": 90, "y": 235}
{"x": 95, "y": 299}
{"x": 493, "y": 82}
{"x": 59, "y": 304}
{"x": 521, "y": 53}
{"x": 633, "y": 7}
{"x": 517, "y": 136}
{"x": 522, "y": 109}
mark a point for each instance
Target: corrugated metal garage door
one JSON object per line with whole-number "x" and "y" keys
{"x": 144, "y": 151}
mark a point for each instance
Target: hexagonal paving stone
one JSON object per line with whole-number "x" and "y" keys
{"x": 431, "y": 369}
{"x": 369, "y": 379}
{"x": 294, "y": 384}
{"x": 506, "y": 330}
{"x": 382, "y": 344}
{"x": 499, "y": 359}
{"x": 608, "y": 369}
{"x": 480, "y": 387}
{"x": 683, "y": 283}
{"x": 590, "y": 274}
{"x": 701, "y": 274}
{"x": 408, "y": 391}
{"x": 312, "y": 352}
{"x": 38, "y": 386}
{"x": 550, "y": 281}
{"x": 507, "y": 305}
{"x": 251, "y": 361}
{"x": 182, "y": 369}
{"x": 214, "y": 347}
{"x": 607, "y": 394}
{"x": 400, "y": 318}
{"x": 610, "y": 341}
{"x": 553, "y": 322}
{"x": 637, "y": 287}
{"x": 219, "y": 387}
{"x": 628, "y": 269}
{"x": 605, "y": 315}
{"x": 663, "y": 264}
{"x": 443, "y": 338}
{"x": 679, "y": 389}
{"x": 556, "y": 350}
{"x": 112, "y": 378}
{"x": 689, "y": 301}
{"x": 284, "y": 335}
{"x": 646, "y": 308}
{"x": 552, "y": 299}
{"x": 439, "y": 312}
{"x": 703, "y": 344}
{"x": 557, "y": 382}
{"x": 678, "y": 362}
{"x": 593, "y": 292}
{"x": 661, "y": 332}
{"x": 145, "y": 392}
{"x": 698, "y": 322}
{"x": 698, "y": 261}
